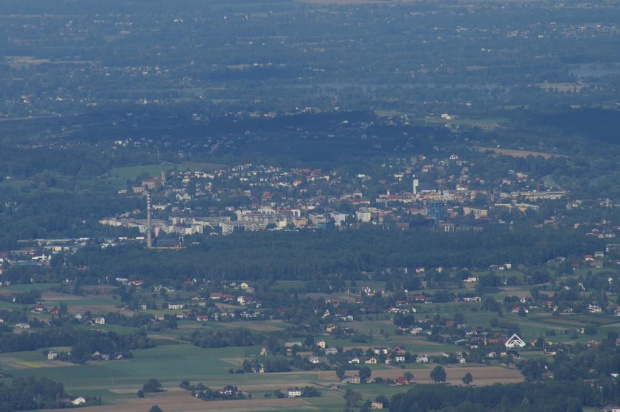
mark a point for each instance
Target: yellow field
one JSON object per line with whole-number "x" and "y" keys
{"x": 517, "y": 153}
{"x": 28, "y": 364}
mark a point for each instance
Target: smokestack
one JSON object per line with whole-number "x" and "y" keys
{"x": 149, "y": 240}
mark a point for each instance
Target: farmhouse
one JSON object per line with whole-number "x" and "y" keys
{"x": 422, "y": 359}
{"x": 402, "y": 381}
{"x": 331, "y": 351}
{"x": 351, "y": 379}
{"x": 78, "y": 401}
{"x": 380, "y": 350}
{"x": 294, "y": 392}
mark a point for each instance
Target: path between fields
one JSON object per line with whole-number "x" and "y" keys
{"x": 182, "y": 401}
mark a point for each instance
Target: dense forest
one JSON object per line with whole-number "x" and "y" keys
{"x": 272, "y": 255}
{"x": 22, "y": 394}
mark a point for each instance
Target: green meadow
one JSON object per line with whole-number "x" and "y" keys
{"x": 132, "y": 172}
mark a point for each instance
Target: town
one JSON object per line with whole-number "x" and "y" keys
{"x": 309, "y": 205}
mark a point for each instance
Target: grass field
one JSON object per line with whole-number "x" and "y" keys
{"x": 287, "y": 285}
{"x": 9, "y": 305}
{"x": 30, "y": 286}
{"x": 168, "y": 363}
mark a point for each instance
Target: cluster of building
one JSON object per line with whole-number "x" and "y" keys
{"x": 444, "y": 190}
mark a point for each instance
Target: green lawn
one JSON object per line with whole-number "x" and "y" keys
{"x": 132, "y": 172}
{"x": 169, "y": 364}
{"x": 27, "y": 287}
{"x": 9, "y": 305}
{"x": 287, "y": 285}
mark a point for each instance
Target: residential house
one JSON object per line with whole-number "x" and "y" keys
{"x": 291, "y": 345}
{"x": 244, "y": 300}
{"x": 380, "y": 350}
{"x": 514, "y": 342}
{"x": 421, "y": 359}
{"x": 331, "y": 351}
{"x": 351, "y": 379}
{"x": 402, "y": 381}
{"x": 471, "y": 279}
{"x": 78, "y": 401}
{"x": 294, "y": 393}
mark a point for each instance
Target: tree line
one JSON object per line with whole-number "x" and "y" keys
{"x": 83, "y": 343}
{"x": 522, "y": 397}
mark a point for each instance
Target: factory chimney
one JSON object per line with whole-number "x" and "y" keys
{"x": 149, "y": 240}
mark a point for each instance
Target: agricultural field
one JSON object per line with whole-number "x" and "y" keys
{"x": 488, "y": 124}
{"x": 517, "y": 153}
{"x": 118, "y": 382}
{"x": 174, "y": 360}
